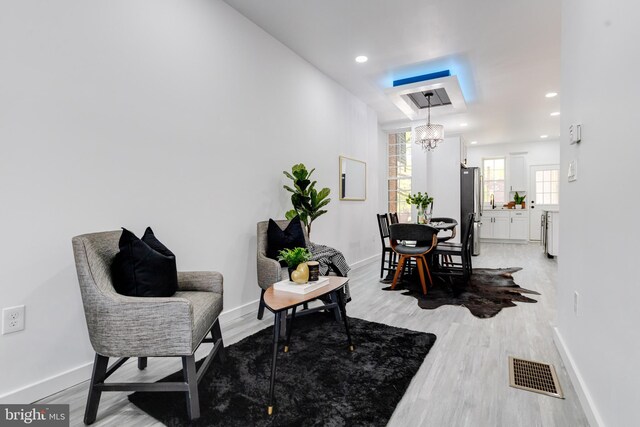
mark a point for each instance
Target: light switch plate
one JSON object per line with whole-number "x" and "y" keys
{"x": 572, "y": 173}
{"x": 575, "y": 134}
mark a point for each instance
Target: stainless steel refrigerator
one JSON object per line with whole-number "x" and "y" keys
{"x": 471, "y": 202}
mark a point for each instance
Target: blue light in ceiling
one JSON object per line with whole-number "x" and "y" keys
{"x": 458, "y": 65}
{"x": 422, "y": 78}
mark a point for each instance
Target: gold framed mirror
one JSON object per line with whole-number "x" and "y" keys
{"x": 353, "y": 179}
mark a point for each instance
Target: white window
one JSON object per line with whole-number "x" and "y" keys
{"x": 493, "y": 172}
{"x": 399, "y": 174}
{"x": 547, "y": 187}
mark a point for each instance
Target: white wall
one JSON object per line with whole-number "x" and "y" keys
{"x": 600, "y": 71}
{"x": 443, "y": 179}
{"x": 434, "y": 172}
{"x": 538, "y": 153}
{"x": 178, "y": 115}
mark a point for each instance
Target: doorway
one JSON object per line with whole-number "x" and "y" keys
{"x": 544, "y": 191}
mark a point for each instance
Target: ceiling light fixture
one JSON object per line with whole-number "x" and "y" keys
{"x": 544, "y": 136}
{"x": 551, "y": 95}
{"x": 555, "y": 113}
{"x": 464, "y": 125}
{"x": 361, "y": 59}
{"x": 429, "y": 135}
{"x": 474, "y": 142}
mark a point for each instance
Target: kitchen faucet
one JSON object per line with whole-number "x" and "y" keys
{"x": 493, "y": 202}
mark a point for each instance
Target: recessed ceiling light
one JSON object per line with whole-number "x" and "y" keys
{"x": 544, "y": 136}
{"x": 360, "y": 59}
{"x": 464, "y": 125}
{"x": 551, "y": 95}
{"x": 555, "y": 113}
{"x": 474, "y": 142}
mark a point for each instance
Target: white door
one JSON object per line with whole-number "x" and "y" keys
{"x": 544, "y": 187}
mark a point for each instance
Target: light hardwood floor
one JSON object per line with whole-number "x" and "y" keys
{"x": 463, "y": 380}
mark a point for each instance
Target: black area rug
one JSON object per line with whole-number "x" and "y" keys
{"x": 488, "y": 291}
{"x": 319, "y": 382}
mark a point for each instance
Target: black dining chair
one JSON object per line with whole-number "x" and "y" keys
{"x": 425, "y": 238}
{"x": 388, "y": 256}
{"x": 447, "y": 250}
{"x": 393, "y": 217}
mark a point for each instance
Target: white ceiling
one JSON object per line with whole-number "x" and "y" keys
{"x": 506, "y": 54}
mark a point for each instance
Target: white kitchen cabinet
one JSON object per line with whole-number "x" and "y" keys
{"x": 517, "y": 177}
{"x": 495, "y": 224}
{"x": 501, "y": 227}
{"x": 505, "y": 224}
{"x": 519, "y": 225}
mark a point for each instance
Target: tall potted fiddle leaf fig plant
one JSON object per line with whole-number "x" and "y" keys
{"x": 306, "y": 200}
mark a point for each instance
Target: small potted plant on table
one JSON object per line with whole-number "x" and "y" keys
{"x": 296, "y": 260}
{"x": 424, "y": 205}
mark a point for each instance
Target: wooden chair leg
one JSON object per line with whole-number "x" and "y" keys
{"x": 426, "y": 266}
{"x": 398, "y": 271}
{"x": 261, "y": 306}
{"x": 93, "y": 399}
{"x": 419, "y": 262}
{"x": 142, "y": 363}
{"x": 382, "y": 264}
{"x": 191, "y": 377}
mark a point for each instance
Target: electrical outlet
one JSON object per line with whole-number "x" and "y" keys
{"x": 576, "y": 296}
{"x": 12, "y": 319}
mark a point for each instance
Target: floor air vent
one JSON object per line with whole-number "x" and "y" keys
{"x": 534, "y": 376}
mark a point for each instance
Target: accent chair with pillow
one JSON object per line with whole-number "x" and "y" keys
{"x": 125, "y": 326}
{"x": 270, "y": 270}
{"x": 274, "y": 235}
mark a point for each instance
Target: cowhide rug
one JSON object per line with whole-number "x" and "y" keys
{"x": 488, "y": 291}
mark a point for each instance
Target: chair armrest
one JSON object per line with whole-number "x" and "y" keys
{"x": 268, "y": 271}
{"x": 136, "y": 327}
{"x": 208, "y": 281}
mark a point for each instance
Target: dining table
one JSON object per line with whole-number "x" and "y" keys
{"x": 443, "y": 225}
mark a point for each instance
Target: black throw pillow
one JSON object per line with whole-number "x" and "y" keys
{"x": 289, "y": 238}
{"x": 144, "y": 267}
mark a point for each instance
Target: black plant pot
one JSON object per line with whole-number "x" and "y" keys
{"x": 291, "y": 270}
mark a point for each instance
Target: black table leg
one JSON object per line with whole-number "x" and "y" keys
{"x": 276, "y": 337}
{"x": 289, "y": 329}
{"x": 343, "y": 310}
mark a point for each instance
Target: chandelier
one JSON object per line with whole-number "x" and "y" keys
{"x": 429, "y": 135}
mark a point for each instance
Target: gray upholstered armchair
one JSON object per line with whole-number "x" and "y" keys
{"x": 122, "y": 326}
{"x": 269, "y": 270}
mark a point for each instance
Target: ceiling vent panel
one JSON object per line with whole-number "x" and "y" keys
{"x": 411, "y": 100}
{"x": 439, "y": 98}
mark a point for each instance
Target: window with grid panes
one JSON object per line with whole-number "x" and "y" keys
{"x": 493, "y": 173}
{"x": 399, "y": 174}
{"x": 547, "y": 187}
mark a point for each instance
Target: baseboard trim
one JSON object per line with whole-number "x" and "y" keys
{"x": 48, "y": 386}
{"x": 241, "y": 310}
{"x": 363, "y": 262}
{"x": 588, "y": 406}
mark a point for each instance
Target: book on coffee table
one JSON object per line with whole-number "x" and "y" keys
{"x": 289, "y": 286}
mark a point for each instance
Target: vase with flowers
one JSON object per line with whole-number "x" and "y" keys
{"x": 424, "y": 206}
